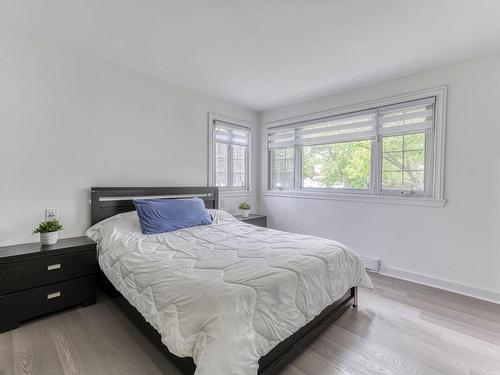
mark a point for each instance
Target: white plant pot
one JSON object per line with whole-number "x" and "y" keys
{"x": 245, "y": 213}
{"x": 49, "y": 238}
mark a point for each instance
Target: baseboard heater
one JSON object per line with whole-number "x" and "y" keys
{"x": 371, "y": 265}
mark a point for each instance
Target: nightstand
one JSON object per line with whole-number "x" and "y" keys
{"x": 259, "y": 220}
{"x": 36, "y": 280}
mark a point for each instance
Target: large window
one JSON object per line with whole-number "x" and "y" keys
{"x": 386, "y": 150}
{"x": 230, "y": 165}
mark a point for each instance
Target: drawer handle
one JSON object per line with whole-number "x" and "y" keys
{"x": 53, "y": 267}
{"x": 54, "y": 295}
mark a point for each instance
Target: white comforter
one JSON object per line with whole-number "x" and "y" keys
{"x": 227, "y": 293}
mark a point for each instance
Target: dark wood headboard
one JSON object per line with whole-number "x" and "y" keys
{"x": 109, "y": 201}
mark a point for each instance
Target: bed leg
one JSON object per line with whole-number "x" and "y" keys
{"x": 355, "y": 305}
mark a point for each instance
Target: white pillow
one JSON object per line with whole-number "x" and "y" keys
{"x": 125, "y": 222}
{"x": 221, "y": 217}
{"x": 129, "y": 222}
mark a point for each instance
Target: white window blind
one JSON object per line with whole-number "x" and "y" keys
{"x": 407, "y": 117}
{"x": 349, "y": 127}
{"x": 281, "y": 137}
{"x": 229, "y": 133}
{"x": 343, "y": 128}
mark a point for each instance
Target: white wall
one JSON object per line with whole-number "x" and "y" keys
{"x": 456, "y": 247}
{"x": 69, "y": 122}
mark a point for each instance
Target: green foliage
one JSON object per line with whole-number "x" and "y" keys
{"x": 347, "y": 165}
{"x": 340, "y": 165}
{"x": 404, "y": 170}
{"x": 244, "y": 206}
{"x": 48, "y": 226}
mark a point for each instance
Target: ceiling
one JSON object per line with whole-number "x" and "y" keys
{"x": 263, "y": 54}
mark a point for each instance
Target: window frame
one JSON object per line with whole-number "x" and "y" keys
{"x": 428, "y": 176}
{"x": 335, "y": 190}
{"x": 271, "y": 166}
{"x": 433, "y": 194}
{"x": 212, "y": 119}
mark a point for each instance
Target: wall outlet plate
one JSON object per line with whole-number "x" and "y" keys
{"x": 372, "y": 265}
{"x": 50, "y": 213}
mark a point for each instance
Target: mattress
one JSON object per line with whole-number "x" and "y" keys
{"x": 224, "y": 294}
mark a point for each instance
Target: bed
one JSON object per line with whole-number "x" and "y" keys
{"x": 225, "y": 298}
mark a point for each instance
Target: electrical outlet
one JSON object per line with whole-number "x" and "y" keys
{"x": 50, "y": 213}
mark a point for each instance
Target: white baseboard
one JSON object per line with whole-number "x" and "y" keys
{"x": 451, "y": 286}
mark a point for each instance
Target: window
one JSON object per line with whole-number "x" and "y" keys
{"x": 405, "y": 130}
{"x": 386, "y": 150}
{"x": 230, "y": 159}
{"x": 283, "y": 167}
{"x": 343, "y": 165}
{"x": 403, "y": 162}
{"x": 221, "y": 168}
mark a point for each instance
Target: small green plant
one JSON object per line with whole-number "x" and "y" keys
{"x": 244, "y": 206}
{"x": 48, "y": 226}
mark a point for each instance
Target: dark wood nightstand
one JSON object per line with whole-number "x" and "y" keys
{"x": 36, "y": 280}
{"x": 259, "y": 220}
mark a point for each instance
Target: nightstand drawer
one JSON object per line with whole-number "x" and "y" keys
{"x": 17, "y": 307}
{"x": 254, "y": 219}
{"x": 260, "y": 221}
{"x": 27, "y": 274}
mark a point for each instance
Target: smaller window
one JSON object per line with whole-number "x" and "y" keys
{"x": 283, "y": 168}
{"x": 406, "y": 130}
{"x": 239, "y": 165}
{"x": 230, "y": 155}
{"x": 403, "y": 162}
{"x": 221, "y": 164}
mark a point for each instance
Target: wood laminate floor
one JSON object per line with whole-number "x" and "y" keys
{"x": 400, "y": 328}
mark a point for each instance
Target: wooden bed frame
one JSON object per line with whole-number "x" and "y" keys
{"x": 109, "y": 201}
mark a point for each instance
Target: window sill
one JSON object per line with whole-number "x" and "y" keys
{"x": 235, "y": 193}
{"x": 384, "y": 199}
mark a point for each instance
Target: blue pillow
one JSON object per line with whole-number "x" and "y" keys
{"x": 166, "y": 215}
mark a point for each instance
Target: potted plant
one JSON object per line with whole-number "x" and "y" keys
{"x": 244, "y": 209}
{"x": 49, "y": 231}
